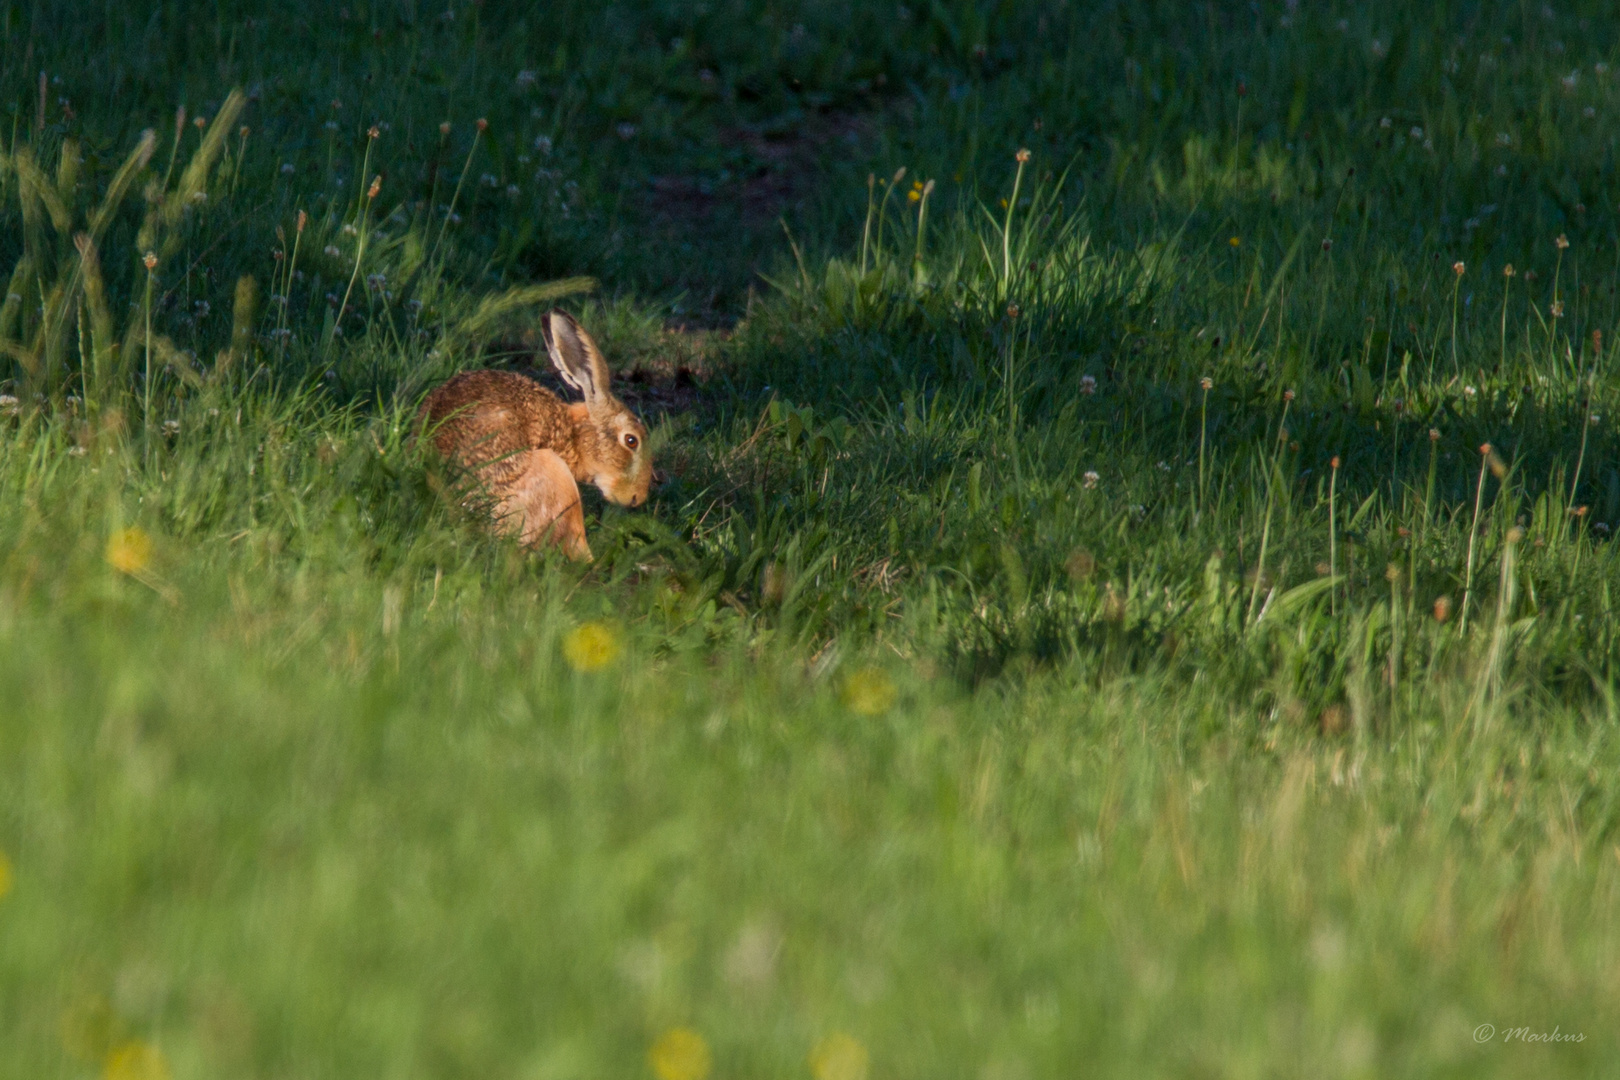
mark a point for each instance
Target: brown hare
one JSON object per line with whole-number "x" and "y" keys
{"x": 530, "y": 450}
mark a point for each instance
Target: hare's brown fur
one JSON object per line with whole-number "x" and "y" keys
{"x": 530, "y": 450}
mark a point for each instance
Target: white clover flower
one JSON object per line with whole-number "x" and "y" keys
{"x": 1091, "y": 479}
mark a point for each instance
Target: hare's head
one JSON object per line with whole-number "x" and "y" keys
{"x": 611, "y": 442}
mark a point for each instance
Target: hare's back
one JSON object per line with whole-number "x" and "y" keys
{"x": 483, "y": 415}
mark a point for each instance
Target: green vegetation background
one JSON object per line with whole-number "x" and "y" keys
{"x": 1080, "y": 629}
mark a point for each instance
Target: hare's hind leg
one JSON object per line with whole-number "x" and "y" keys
{"x": 541, "y": 503}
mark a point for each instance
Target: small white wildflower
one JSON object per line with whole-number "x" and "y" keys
{"x": 201, "y": 308}
{"x": 1379, "y": 49}
{"x": 1589, "y": 112}
{"x": 1503, "y": 139}
{"x": 332, "y": 250}
{"x": 1386, "y": 122}
{"x": 1164, "y": 466}
{"x": 526, "y": 78}
{"x": 489, "y": 180}
{"x": 1469, "y": 391}
{"x": 455, "y": 219}
{"x": 1570, "y": 80}
{"x": 171, "y": 427}
{"x": 287, "y": 168}
{"x": 1416, "y": 132}
{"x": 331, "y": 125}
{"x": 1501, "y": 170}
{"x": 77, "y": 451}
{"x": 1091, "y": 479}
{"x": 199, "y": 197}
{"x": 512, "y": 191}
{"x": 542, "y": 143}
{"x": 1088, "y": 384}
{"x": 349, "y": 229}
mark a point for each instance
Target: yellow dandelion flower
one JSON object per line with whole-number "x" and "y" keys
{"x": 680, "y": 1054}
{"x": 914, "y": 196}
{"x": 869, "y": 691}
{"x": 136, "y": 1061}
{"x": 129, "y": 550}
{"x": 5, "y": 875}
{"x": 1235, "y": 242}
{"x": 839, "y": 1057}
{"x": 591, "y": 647}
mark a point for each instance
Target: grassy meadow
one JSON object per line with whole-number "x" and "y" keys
{"x": 1130, "y": 593}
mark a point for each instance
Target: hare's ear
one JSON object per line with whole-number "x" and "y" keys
{"x": 576, "y": 357}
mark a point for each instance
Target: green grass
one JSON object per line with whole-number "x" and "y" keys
{"x": 978, "y": 685}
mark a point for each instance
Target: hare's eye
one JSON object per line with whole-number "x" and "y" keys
{"x": 631, "y": 442}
